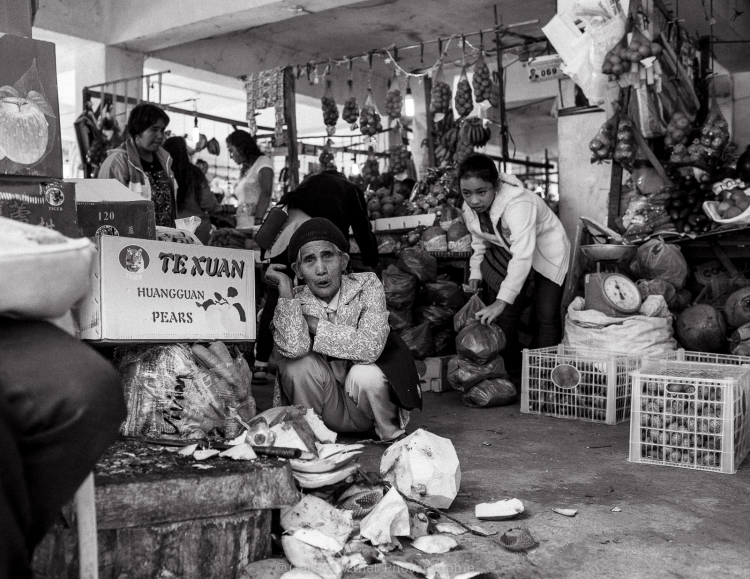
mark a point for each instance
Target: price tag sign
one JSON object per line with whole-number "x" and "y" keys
{"x": 544, "y": 68}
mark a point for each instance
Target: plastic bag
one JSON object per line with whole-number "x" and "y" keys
{"x": 481, "y": 81}
{"x": 172, "y": 235}
{"x": 420, "y": 342}
{"x": 369, "y": 117}
{"x": 657, "y": 259}
{"x": 351, "y": 108}
{"x": 440, "y": 96}
{"x": 603, "y": 144}
{"x": 394, "y": 102}
{"x": 463, "y": 101}
{"x": 715, "y": 131}
{"x": 465, "y": 316}
{"x": 230, "y": 378}
{"x": 444, "y": 293}
{"x": 657, "y": 287}
{"x": 480, "y": 342}
{"x": 584, "y": 52}
{"x": 463, "y": 373}
{"x": 494, "y": 392}
{"x": 169, "y": 395}
{"x": 386, "y": 244}
{"x": 445, "y": 342}
{"x": 435, "y": 315}
{"x": 418, "y": 263}
{"x": 330, "y": 110}
{"x": 647, "y": 333}
{"x": 400, "y": 287}
{"x": 400, "y": 319}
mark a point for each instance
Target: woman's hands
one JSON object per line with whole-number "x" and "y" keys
{"x": 276, "y": 277}
{"x": 491, "y": 312}
{"x": 474, "y": 284}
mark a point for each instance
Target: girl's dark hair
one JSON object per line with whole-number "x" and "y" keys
{"x": 246, "y": 145}
{"x": 144, "y": 116}
{"x": 187, "y": 175}
{"x": 480, "y": 166}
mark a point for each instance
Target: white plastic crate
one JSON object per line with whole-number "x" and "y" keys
{"x": 602, "y": 387}
{"x": 708, "y": 358}
{"x": 691, "y": 415}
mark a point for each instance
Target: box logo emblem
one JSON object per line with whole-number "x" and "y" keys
{"x": 54, "y": 196}
{"x": 134, "y": 258}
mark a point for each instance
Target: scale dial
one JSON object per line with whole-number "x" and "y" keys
{"x": 621, "y": 293}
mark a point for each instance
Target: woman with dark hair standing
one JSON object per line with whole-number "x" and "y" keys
{"x": 516, "y": 239}
{"x": 142, "y": 165}
{"x": 194, "y": 197}
{"x": 255, "y": 186}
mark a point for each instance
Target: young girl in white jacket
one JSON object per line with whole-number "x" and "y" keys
{"x": 515, "y": 238}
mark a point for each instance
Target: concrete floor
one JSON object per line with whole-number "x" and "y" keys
{"x": 674, "y": 523}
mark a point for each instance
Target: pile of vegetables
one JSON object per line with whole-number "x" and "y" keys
{"x": 481, "y": 81}
{"x": 463, "y": 100}
{"x": 394, "y": 102}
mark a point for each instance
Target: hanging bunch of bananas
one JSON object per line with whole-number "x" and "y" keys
{"x": 474, "y": 132}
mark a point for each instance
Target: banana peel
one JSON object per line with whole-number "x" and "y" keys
{"x": 323, "y": 465}
{"x": 318, "y": 480}
{"x": 329, "y": 450}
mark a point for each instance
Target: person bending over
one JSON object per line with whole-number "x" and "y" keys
{"x": 338, "y": 355}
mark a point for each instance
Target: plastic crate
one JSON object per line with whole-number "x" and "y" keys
{"x": 602, "y": 387}
{"x": 708, "y": 358}
{"x": 691, "y": 415}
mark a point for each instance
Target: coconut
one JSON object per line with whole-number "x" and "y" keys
{"x": 737, "y": 308}
{"x": 701, "y": 328}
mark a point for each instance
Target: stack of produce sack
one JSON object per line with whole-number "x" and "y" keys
{"x": 423, "y": 318}
{"x": 175, "y": 391}
{"x": 478, "y": 370}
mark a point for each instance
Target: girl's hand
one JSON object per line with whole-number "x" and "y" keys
{"x": 277, "y": 278}
{"x": 474, "y": 284}
{"x": 491, "y": 312}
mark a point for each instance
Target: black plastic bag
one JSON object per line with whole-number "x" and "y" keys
{"x": 420, "y": 341}
{"x": 418, "y": 263}
{"x": 445, "y": 342}
{"x": 400, "y": 287}
{"x": 465, "y": 315}
{"x": 400, "y": 319}
{"x": 444, "y": 293}
{"x": 657, "y": 259}
{"x": 480, "y": 342}
{"x": 493, "y": 392}
{"x": 463, "y": 373}
{"x": 436, "y": 316}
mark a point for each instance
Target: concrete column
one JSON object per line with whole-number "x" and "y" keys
{"x": 741, "y": 109}
{"x": 97, "y": 63}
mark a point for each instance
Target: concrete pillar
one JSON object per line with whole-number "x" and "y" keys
{"x": 741, "y": 109}
{"x": 98, "y": 63}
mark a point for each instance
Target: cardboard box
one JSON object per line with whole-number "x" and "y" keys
{"x": 433, "y": 374}
{"x": 107, "y": 207}
{"x": 16, "y": 17}
{"x": 154, "y": 291}
{"x": 29, "y": 112}
{"x": 50, "y": 204}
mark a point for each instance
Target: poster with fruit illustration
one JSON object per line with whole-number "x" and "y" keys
{"x": 29, "y": 114}
{"x": 157, "y": 291}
